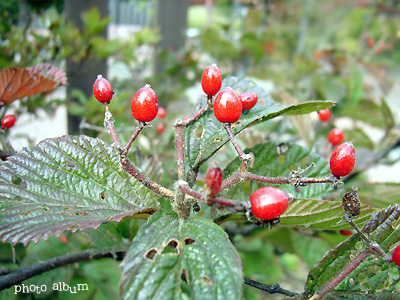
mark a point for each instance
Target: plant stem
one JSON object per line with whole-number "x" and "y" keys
{"x": 237, "y": 177}
{"x": 155, "y": 187}
{"x": 272, "y": 289}
{"x": 238, "y": 206}
{"x": 232, "y": 137}
{"x": 197, "y": 114}
{"x": 109, "y": 124}
{"x": 133, "y": 137}
{"x": 180, "y": 154}
{"x": 330, "y": 285}
{"x": 20, "y": 275}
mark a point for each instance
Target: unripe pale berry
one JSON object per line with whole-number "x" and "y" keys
{"x": 211, "y": 80}
{"x": 213, "y": 181}
{"x": 335, "y": 136}
{"x": 248, "y": 99}
{"x": 268, "y": 203}
{"x": 8, "y": 121}
{"x": 144, "y": 105}
{"x": 227, "y": 106}
{"x": 102, "y": 89}
{"x": 343, "y": 159}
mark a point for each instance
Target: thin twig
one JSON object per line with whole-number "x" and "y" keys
{"x": 272, "y": 289}
{"x": 151, "y": 185}
{"x": 180, "y": 153}
{"x": 133, "y": 137}
{"x": 20, "y": 275}
{"x": 331, "y": 284}
{"x": 238, "y": 206}
{"x": 109, "y": 124}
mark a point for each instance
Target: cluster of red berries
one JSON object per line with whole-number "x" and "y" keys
{"x": 335, "y": 136}
{"x": 144, "y": 104}
{"x": 8, "y": 121}
{"x": 228, "y": 105}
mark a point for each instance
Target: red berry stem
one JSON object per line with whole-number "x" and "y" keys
{"x": 238, "y": 206}
{"x": 109, "y": 124}
{"x": 133, "y": 137}
{"x": 198, "y": 113}
{"x": 139, "y": 176}
{"x": 209, "y": 100}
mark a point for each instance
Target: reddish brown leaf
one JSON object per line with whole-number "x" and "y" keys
{"x": 18, "y": 83}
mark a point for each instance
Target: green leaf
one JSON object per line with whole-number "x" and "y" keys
{"x": 206, "y": 135}
{"x": 372, "y": 275}
{"x": 67, "y": 183}
{"x": 171, "y": 258}
{"x": 387, "y": 115}
{"x": 379, "y": 194}
{"x": 307, "y": 210}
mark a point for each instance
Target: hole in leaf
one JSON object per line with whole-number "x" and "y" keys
{"x": 68, "y": 208}
{"x": 365, "y": 286}
{"x": 374, "y": 269}
{"x": 236, "y": 124}
{"x": 150, "y": 254}
{"x": 206, "y": 280}
{"x": 189, "y": 241}
{"x": 282, "y": 148}
{"x": 199, "y": 131}
{"x": 45, "y": 208}
{"x": 103, "y": 195}
{"x": 380, "y": 287}
{"x": 9, "y": 87}
{"x": 171, "y": 247}
{"x": 185, "y": 283}
{"x": 217, "y": 140}
{"x": 70, "y": 164}
{"x": 351, "y": 281}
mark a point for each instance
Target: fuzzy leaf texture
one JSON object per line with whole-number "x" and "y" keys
{"x": 67, "y": 183}
{"x": 171, "y": 258}
{"x": 206, "y": 135}
{"x": 373, "y": 275}
{"x": 307, "y": 210}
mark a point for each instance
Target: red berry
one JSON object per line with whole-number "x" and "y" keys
{"x": 248, "y": 99}
{"x": 345, "y": 232}
{"x": 161, "y": 112}
{"x": 64, "y": 239}
{"x": 144, "y": 105}
{"x": 268, "y": 203}
{"x": 396, "y": 255}
{"x": 227, "y": 106}
{"x": 343, "y": 159}
{"x": 213, "y": 181}
{"x": 160, "y": 128}
{"x": 335, "y": 136}
{"x": 8, "y": 121}
{"x": 324, "y": 114}
{"x": 102, "y": 89}
{"x": 211, "y": 80}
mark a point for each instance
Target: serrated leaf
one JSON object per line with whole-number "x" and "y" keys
{"x": 373, "y": 275}
{"x": 107, "y": 238}
{"x": 169, "y": 253}
{"x": 307, "y": 210}
{"x": 67, "y": 183}
{"x": 379, "y": 194}
{"x": 206, "y": 135}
